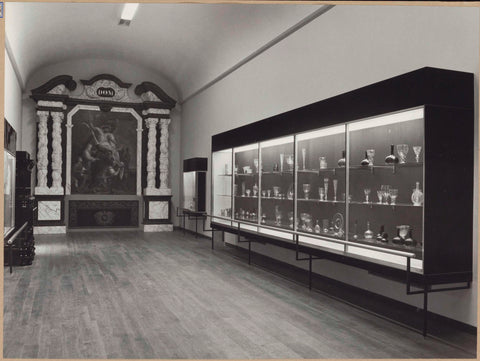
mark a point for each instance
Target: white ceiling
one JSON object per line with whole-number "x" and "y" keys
{"x": 189, "y": 44}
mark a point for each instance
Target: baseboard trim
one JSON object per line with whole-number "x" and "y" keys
{"x": 373, "y": 302}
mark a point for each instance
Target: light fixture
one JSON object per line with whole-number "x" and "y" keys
{"x": 128, "y": 13}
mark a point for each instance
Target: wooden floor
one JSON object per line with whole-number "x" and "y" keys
{"x": 167, "y": 295}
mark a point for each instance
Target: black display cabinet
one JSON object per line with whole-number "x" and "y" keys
{"x": 21, "y": 251}
{"x": 379, "y": 178}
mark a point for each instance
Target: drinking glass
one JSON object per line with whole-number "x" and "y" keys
{"x": 323, "y": 162}
{"x": 335, "y": 184}
{"x": 289, "y": 160}
{"x": 325, "y": 185}
{"x": 255, "y": 163}
{"x": 417, "y": 149}
{"x": 276, "y": 191}
{"x": 306, "y": 190}
{"x": 402, "y": 150}
{"x": 367, "y": 193}
{"x": 393, "y": 195}
{"x": 304, "y": 154}
{"x": 386, "y": 193}
{"x": 321, "y": 193}
{"x": 281, "y": 161}
{"x": 269, "y": 193}
{"x": 264, "y": 193}
{"x": 370, "y": 155}
{"x": 278, "y": 216}
{"x": 248, "y": 192}
{"x": 380, "y": 196}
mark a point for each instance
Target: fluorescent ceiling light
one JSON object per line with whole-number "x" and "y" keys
{"x": 129, "y": 11}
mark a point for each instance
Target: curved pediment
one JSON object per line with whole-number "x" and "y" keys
{"x": 150, "y": 92}
{"x": 60, "y": 86}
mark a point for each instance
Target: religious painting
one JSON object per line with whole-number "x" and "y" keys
{"x": 104, "y": 153}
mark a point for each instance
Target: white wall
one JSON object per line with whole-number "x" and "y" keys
{"x": 13, "y": 99}
{"x": 346, "y": 48}
{"x": 87, "y": 68}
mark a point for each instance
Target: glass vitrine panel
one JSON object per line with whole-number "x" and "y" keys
{"x": 222, "y": 183}
{"x": 321, "y": 179}
{"x": 386, "y": 179}
{"x": 189, "y": 193}
{"x": 277, "y": 179}
{"x": 246, "y": 183}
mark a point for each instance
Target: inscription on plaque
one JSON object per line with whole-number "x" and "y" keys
{"x": 105, "y": 92}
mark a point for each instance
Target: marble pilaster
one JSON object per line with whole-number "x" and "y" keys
{"x": 42, "y": 153}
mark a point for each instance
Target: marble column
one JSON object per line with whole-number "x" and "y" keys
{"x": 164, "y": 153}
{"x": 151, "y": 150}
{"x": 57, "y": 151}
{"x": 42, "y": 153}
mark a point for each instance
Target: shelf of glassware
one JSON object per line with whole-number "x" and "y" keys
{"x": 246, "y": 183}
{"x": 386, "y": 201}
{"x": 222, "y": 185}
{"x": 277, "y": 179}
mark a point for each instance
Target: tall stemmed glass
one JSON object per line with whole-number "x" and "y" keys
{"x": 402, "y": 150}
{"x": 380, "y": 196}
{"x": 393, "y": 196}
{"x": 306, "y": 190}
{"x": 386, "y": 193}
{"x": 335, "y": 184}
{"x": 417, "y": 149}
{"x": 304, "y": 154}
{"x": 281, "y": 161}
{"x": 367, "y": 194}
{"x": 325, "y": 185}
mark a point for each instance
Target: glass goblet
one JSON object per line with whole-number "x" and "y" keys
{"x": 289, "y": 160}
{"x": 306, "y": 190}
{"x": 417, "y": 149}
{"x": 386, "y": 193}
{"x": 367, "y": 193}
{"x": 380, "y": 196}
{"x": 402, "y": 150}
{"x": 248, "y": 192}
{"x": 321, "y": 193}
{"x": 255, "y": 164}
{"x": 370, "y": 155}
{"x": 393, "y": 195}
{"x": 335, "y": 184}
{"x": 325, "y": 185}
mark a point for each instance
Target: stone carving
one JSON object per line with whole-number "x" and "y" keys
{"x": 164, "y": 153}
{"x": 57, "y": 149}
{"x": 59, "y": 89}
{"x": 42, "y": 154}
{"x": 151, "y": 150}
{"x": 149, "y": 96}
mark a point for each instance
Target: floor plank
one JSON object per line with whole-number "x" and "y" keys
{"x": 167, "y": 295}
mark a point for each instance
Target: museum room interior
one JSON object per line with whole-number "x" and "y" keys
{"x": 240, "y": 181}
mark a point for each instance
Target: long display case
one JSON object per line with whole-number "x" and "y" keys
{"x": 383, "y": 174}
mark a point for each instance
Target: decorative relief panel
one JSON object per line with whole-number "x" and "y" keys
{"x": 49, "y": 211}
{"x": 158, "y": 210}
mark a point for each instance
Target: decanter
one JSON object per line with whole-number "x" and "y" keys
{"x": 417, "y": 195}
{"x": 317, "y": 227}
{"x": 409, "y": 240}
{"x": 365, "y": 161}
{"x": 391, "y": 159}
{"x": 368, "y": 233}
{"x": 255, "y": 190}
{"x": 341, "y": 162}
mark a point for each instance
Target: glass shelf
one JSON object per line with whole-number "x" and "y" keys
{"x": 224, "y": 175}
{"x": 287, "y": 172}
{"x": 246, "y": 197}
{"x": 319, "y": 201}
{"x": 385, "y": 204}
{"x": 317, "y": 171}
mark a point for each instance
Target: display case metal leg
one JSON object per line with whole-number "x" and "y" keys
{"x": 425, "y": 310}
{"x": 196, "y": 228}
{"x": 213, "y": 238}
{"x": 11, "y": 259}
{"x": 249, "y": 251}
{"x": 183, "y": 224}
{"x": 310, "y": 272}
